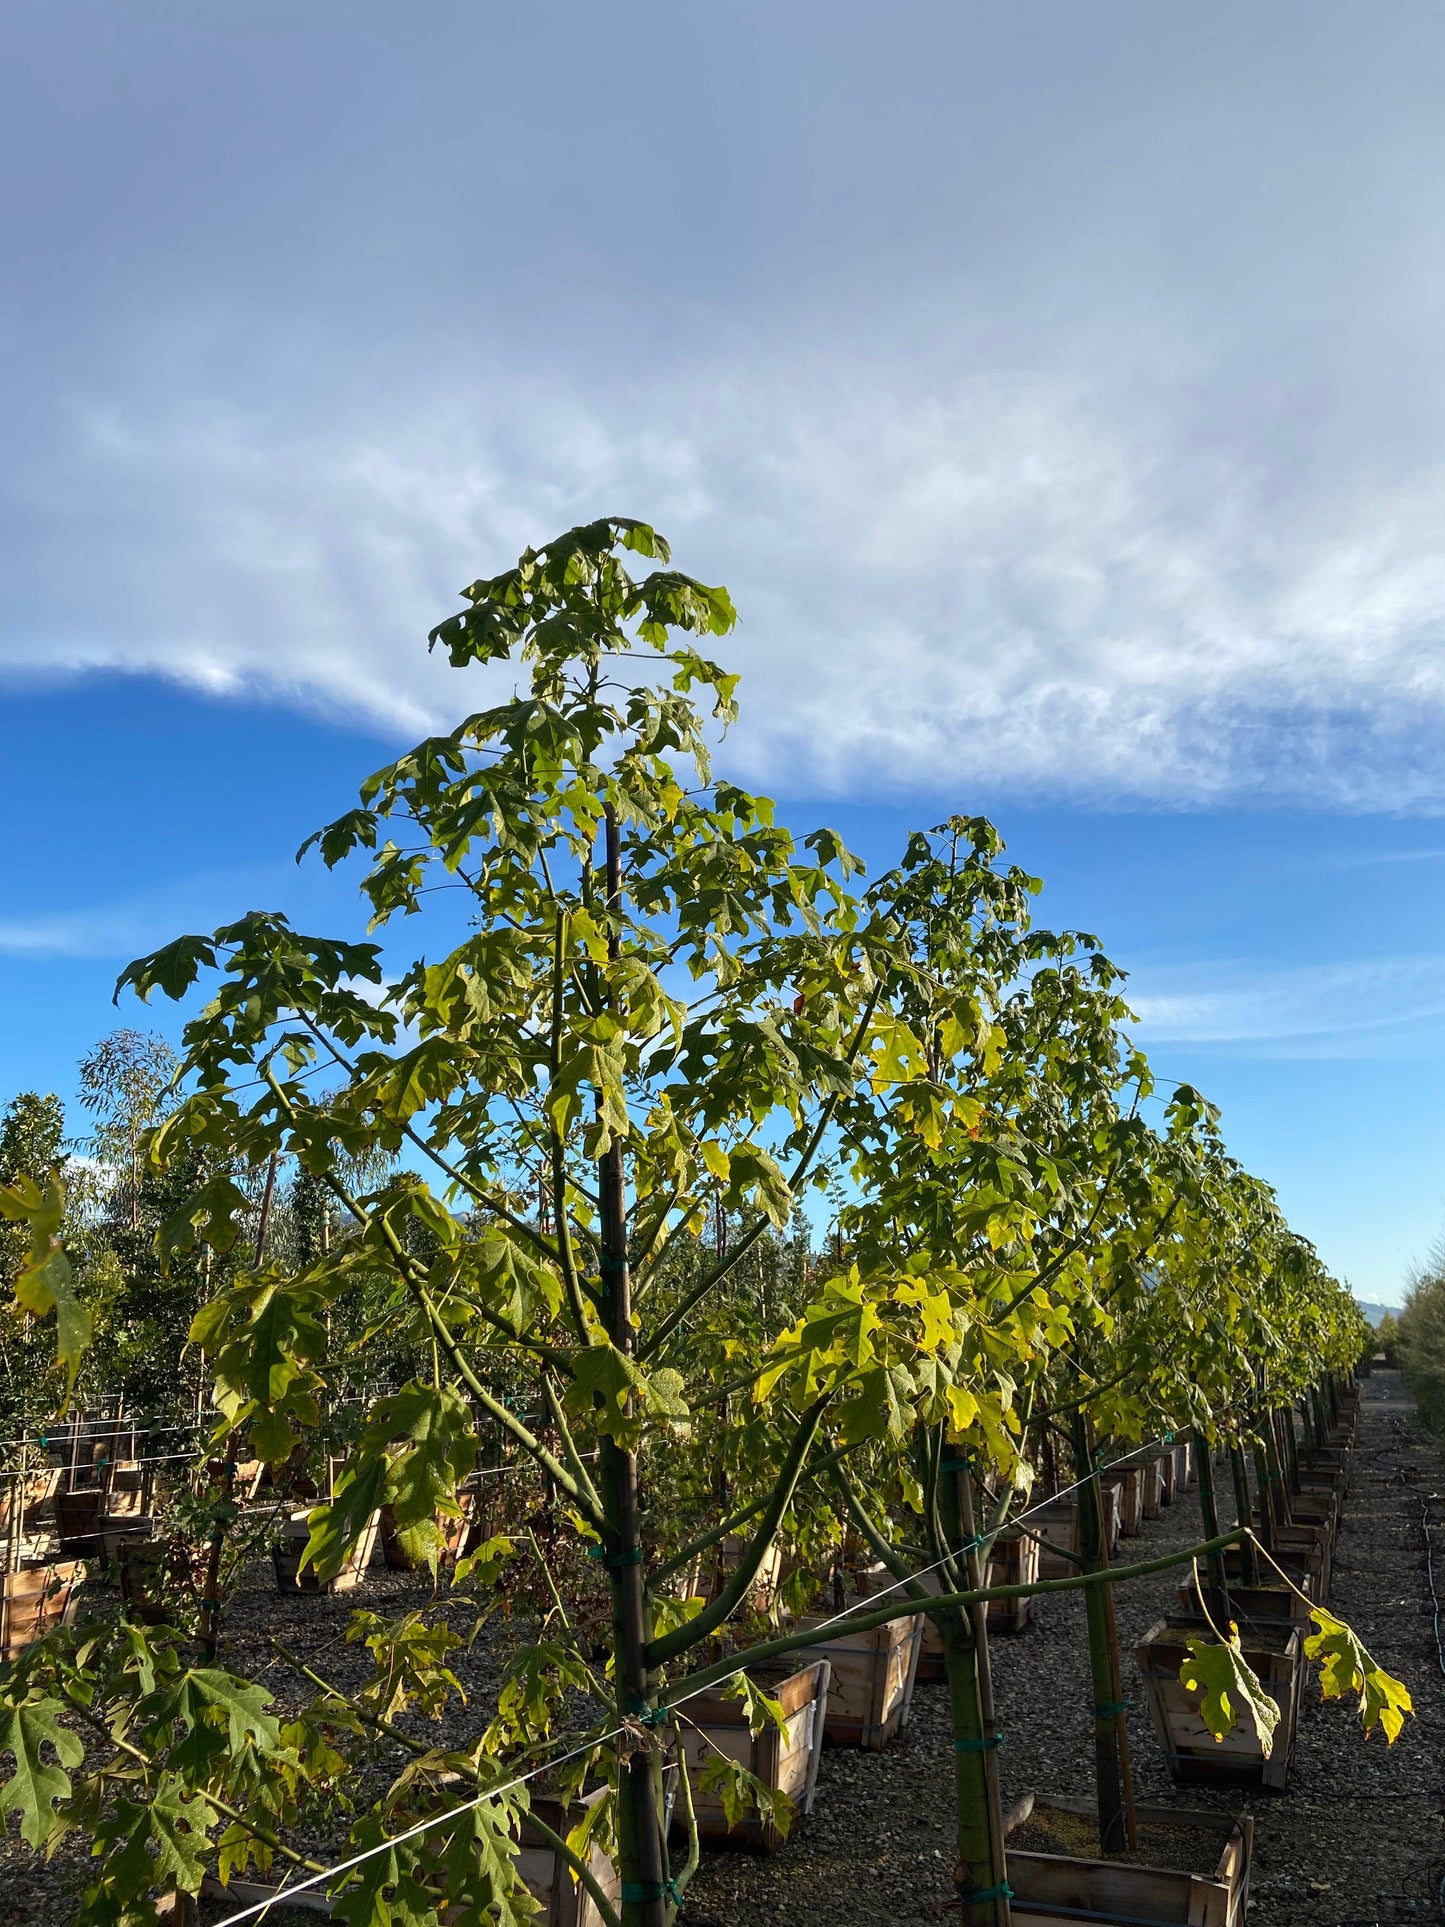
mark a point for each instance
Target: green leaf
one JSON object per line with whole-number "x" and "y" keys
{"x": 485, "y": 1565}
{"x": 500, "y": 1272}
{"x": 171, "y": 970}
{"x": 761, "y": 1707}
{"x": 36, "y": 1784}
{"x": 337, "y": 1525}
{"x": 1222, "y": 1677}
{"x": 220, "y": 1716}
{"x": 742, "y": 1793}
{"x": 754, "y": 1177}
{"x": 479, "y": 1855}
{"x": 207, "y": 1217}
{"x": 1345, "y": 1667}
{"x": 621, "y": 1399}
{"x": 45, "y": 1283}
{"x": 157, "y": 1844}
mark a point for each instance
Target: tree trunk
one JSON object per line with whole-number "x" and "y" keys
{"x": 639, "y": 1789}
{"x": 1218, "y": 1588}
{"x": 981, "y": 1873}
{"x": 1248, "y": 1557}
{"x": 1118, "y": 1826}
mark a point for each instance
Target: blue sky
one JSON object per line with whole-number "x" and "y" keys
{"x": 1059, "y": 390}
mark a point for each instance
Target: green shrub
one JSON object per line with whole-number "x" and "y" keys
{"x": 1420, "y": 1344}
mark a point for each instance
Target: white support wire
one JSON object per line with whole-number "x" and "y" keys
{"x": 280, "y": 1898}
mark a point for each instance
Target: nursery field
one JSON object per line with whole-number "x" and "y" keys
{"x": 809, "y": 1389}
{"x": 1358, "y": 1835}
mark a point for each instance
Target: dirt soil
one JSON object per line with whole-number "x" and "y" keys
{"x": 1356, "y": 1840}
{"x": 1177, "y": 1845}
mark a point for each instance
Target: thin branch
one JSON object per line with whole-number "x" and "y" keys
{"x": 750, "y": 1237}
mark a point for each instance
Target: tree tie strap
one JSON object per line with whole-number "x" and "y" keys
{"x": 610, "y": 1266}
{"x": 984, "y": 1745}
{"x": 965, "y": 1464}
{"x": 1110, "y": 1708}
{"x": 614, "y": 1561}
{"x": 647, "y": 1715}
{"x": 637, "y": 1893}
{"x": 1003, "y": 1891}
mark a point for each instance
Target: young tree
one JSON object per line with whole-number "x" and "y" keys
{"x": 660, "y": 1006}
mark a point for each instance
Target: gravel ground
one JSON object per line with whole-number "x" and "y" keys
{"x": 1357, "y": 1839}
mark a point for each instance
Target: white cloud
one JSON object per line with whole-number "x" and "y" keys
{"x": 103, "y": 932}
{"x": 1001, "y": 579}
{"x": 1377, "y": 1007}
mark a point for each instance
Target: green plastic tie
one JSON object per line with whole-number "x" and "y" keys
{"x": 1168, "y": 1438}
{"x": 1003, "y": 1891}
{"x": 984, "y": 1745}
{"x": 648, "y": 1715}
{"x": 637, "y": 1893}
{"x": 614, "y": 1561}
{"x": 964, "y": 1464}
{"x": 1111, "y": 1708}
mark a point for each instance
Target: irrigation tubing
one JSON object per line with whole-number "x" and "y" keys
{"x": 281, "y": 1898}
{"x": 1430, "y": 1576}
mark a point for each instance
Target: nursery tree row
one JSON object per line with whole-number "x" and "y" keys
{"x": 559, "y": 1166}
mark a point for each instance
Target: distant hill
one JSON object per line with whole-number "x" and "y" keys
{"x": 1376, "y": 1312}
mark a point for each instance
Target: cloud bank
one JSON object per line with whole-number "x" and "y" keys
{"x": 1005, "y": 581}
{"x": 1059, "y": 392}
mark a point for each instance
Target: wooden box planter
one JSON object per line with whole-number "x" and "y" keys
{"x": 33, "y": 1600}
{"x": 1128, "y": 1482}
{"x": 1191, "y": 1752}
{"x": 1315, "y": 1509}
{"x": 1111, "y": 1498}
{"x": 1311, "y": 1547}
{"x": 870, "y": 1692}
{"x": 124, "y": 1490}
{"x": 563, "y": 1901}
{"x": 156, "y": 1575}
{"x": 932, "y": 1667}
{"x": 786, "y": 1763}
{"x": 1061, "y": 1890}
{"x": 1254, "y": 1605}
{"x": 290, "y": 1543}
{"x": 455, "y": 1534}
{"x": 1013, "y": 1560}
{"x": 1057, "y": 1524}
{"x": 1151, "y": 1488}
{"x": 1168, "y": 1476}
{"x": 77, "y": 1522}
{"x": 117, "y": 1529}
{"x": 710, "y": 1572}
{"x": 1185, "y": 1469}
{"x": 1331, "y": 1479}
{"x": 1298, "y": 1572}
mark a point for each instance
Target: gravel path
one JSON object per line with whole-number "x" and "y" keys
{"x": 1357, "y": 1839}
